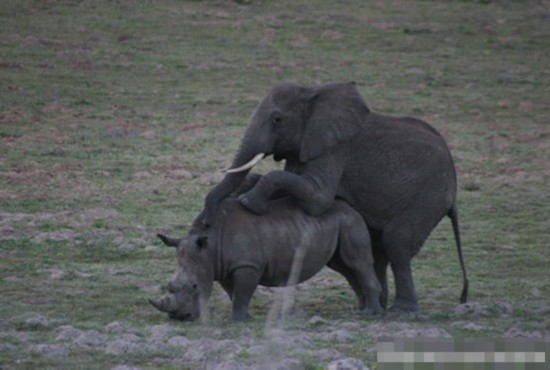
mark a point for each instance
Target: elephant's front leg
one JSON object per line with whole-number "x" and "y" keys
{"x": 313, "y": 194}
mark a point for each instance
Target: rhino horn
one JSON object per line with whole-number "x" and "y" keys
{"x": 159, "y": 304}
{"x": 171, "y": 242}
{"x": 166, "y": 304}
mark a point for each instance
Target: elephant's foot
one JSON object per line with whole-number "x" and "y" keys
{"x": 384, "y": 299}
{"x": 253, "y": 205}
{"x": 240, "y": 316}
{"x": 404, "y": 306}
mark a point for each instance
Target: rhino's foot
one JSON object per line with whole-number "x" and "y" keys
{"x": 374, "y": 309}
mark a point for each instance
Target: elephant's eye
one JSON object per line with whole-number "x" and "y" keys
{"x": 276, "y": 119}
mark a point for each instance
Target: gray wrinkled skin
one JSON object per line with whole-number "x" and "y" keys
{"x": 242, "y": 250}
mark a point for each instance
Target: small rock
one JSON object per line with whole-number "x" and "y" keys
{"x": 5, "y": 326}
{"x": 60, "y": 235}
{"x": 247, "y": 337}
{"x": 67, "y": 332}
{"x": 23, "y": 337}
{"x": 179, "y": 341}
{"x": 56, "y": 274}
{"x": 286, "y": 364}
{"x": 328, "y": 354}
{"x": 126, "y": 367}
{"x": 473, "y": 326}
{"x": 82, "y": 275}
{"x": 90, "y": 339}
{"x": 125, "y": 343}
{"x": 351, "y": 326}
{"x": 202, "y": 349}
{"x": 317, "y": 321}
{"x": 287, "y": 339}
{"x": 161, "y": 331}
{"x": 257, "y": 351}
{"x": 122, "y": 242}
{"x": 504, "y": 308}
{"x": 515, "y": 332}
{"x": 7, "y": 347}
{"x": 347, "y": 364}
{"x": 471, "y": 309}
{"x": 32, "y": 321}
{"x": 13, "y": 279}
{"x": 142, "y": 175}
{"x": 116, "y": 327}
{"x": 49, "y": 350}
{"x": 340, "y": 336}
{"x": 423, "y": 332}
{"x": 120, "y": 346}
{"x": 230, "y": 365}
{"x": 467, "y": 325}
{"x": 181, "y": 174}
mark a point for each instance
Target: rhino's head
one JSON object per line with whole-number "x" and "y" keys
{"x": 191, "y": 287}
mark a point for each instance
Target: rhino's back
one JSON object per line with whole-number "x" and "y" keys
{"x": 274, "y": 241}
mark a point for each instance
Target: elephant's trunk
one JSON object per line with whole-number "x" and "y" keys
{"x": 247, "y": 156}
{"x": 166, "y": 304}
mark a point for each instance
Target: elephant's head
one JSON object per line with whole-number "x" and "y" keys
{"x": 192, "y": 285}
{"x": 294, "y": 123}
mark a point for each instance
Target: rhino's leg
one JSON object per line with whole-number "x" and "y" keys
{"x": 244, "y": 281}
{"x": 337, "y": 265}
{"x": 227, "y": 286}
{"x": 355, "y": 253}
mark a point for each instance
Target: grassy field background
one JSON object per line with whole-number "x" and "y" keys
{"x": 116, "y": 116}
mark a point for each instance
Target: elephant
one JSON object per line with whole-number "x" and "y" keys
{"x": 397, "y": 172}
{"x": 287, "y": 246}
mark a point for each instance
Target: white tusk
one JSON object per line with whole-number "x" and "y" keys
{"x": 246, "y": 166}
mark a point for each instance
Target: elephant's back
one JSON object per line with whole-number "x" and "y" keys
{"x": 395, "y": 161}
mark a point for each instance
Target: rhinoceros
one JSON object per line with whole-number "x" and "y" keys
{"x": 241, "y": 250}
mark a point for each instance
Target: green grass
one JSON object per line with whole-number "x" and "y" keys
{"x": 104, "y": 104}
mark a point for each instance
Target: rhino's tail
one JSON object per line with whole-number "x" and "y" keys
{"x": 453, "y": 215}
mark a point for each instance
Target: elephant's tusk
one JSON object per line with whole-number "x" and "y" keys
{"x": 246, "y": 166}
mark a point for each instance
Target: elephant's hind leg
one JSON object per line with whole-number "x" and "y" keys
{"x": 381, "y": 263}
{"x": 402, "y": 239}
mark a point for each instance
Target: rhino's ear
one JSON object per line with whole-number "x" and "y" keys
{"x": 170, "y": 242}
{"x": 202, "y": 241}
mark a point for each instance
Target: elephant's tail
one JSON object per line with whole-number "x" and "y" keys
{"x": 453, "y": 215}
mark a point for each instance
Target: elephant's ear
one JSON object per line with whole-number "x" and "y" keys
{"x": 335, "y": 113}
